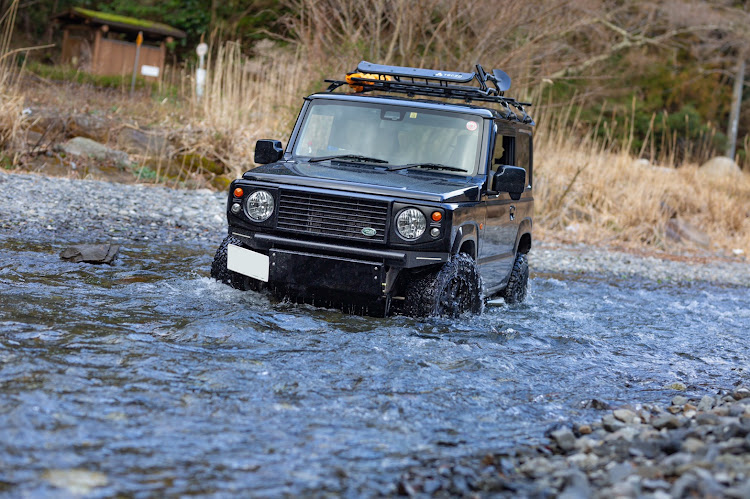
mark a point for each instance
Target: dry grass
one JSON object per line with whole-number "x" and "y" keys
{"x": 590, "y": 191}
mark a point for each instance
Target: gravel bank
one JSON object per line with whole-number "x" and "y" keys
{"x": 60, "y": 209}
{"x": 94, "y": 211}
{"x": 691, "y": 448}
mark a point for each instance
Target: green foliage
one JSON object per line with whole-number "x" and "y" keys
{"x": 673, "y": 108}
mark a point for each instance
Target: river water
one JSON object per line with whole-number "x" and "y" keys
{"x": 149, "y": 378}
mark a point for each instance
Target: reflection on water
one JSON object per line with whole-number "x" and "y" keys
{"x": 149, "y": 377}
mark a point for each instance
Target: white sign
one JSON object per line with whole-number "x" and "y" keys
{"x": 201, "y": 49}
{"x": 147, "y": 70}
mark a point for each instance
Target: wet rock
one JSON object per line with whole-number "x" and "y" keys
{"x": 81, "y": 146}
{"x": 611, "y": 424}
{"x": 585, "y": 429}
{"x": 652, "y": 484}
{"x": 565, "y": 439}
{"x": 620, "y": 471}
{"x": 597, "y": 404}
{"x": 576, "y": 486}
{"x": 741, "y": 393}
{"x": 624, "y": 415}
{"x": 692, "y": 445}
{"x": 680, "y": 387}
{"x": 91, "y": 253}
{"x": 667, "y": 421}
{"x": 707, "y": 419}
{"x": 679, "y": 400}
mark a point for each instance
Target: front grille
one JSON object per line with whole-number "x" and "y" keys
{"x": 333, "y": 216}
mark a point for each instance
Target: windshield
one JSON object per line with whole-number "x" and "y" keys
{"x": 394, "y": 134}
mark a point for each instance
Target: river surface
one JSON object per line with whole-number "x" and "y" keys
{"x": 149, "y": 378}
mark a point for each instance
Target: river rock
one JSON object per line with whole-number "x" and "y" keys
{"x": 720, "y": 167}
{"x": 681, "y": 231}
{"x": 576, "y": 486}
{"x": 91, "y": 253}
{"x": 679, "y": 400}
{"x": 81, "y": 146}
{"x": 624, "y": 415}
{"x": 564, "y": 439}
{"x": 706, "y": 403}
{"x": 90, "y": 126}
{"x": 137, "y": 141}
{"x": 741, "y": 393}
{"x": 667, "y": 421}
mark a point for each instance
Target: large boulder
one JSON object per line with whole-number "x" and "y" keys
{"x": 720, "y": 167}
{"x": 81, "y": 146}
{"x": 145, "y": 142}
{"x": 90, "y": 126}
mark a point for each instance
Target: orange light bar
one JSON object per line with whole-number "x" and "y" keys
{"x": 437, "y": 216}
{"x": 238, "y": 192}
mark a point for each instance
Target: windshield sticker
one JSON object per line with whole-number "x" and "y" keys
{"x": 471, "y": 126}
{"x": 412, "y": 115}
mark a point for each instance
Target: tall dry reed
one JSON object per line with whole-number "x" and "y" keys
{"x": 11, "y": 101}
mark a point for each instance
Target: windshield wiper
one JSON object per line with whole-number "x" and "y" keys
{"x": 355, "y": 157}
{"x": 429, "y": 166}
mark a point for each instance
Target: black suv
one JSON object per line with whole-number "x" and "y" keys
{"x": 383, "y": 202}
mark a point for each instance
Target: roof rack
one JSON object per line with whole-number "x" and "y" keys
{"x": 371, "y": 77}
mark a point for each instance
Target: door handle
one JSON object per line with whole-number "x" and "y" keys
{"x": 512, "y": 212}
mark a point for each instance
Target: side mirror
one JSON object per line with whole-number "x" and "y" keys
{"x": 510, "y": 179}
{"x": 268, "y": 151}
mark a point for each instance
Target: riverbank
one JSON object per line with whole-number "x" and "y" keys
{"x": 689, "y": 448}
{"x": 71, "y": 210}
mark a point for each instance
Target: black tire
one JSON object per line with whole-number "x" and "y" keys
{"x": 453, "y": 289}
{"x": 221, "y": 273}
{"x": 515, "y": 292}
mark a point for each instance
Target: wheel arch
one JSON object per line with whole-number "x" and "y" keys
{"x": 465, "y": 241}
{"x": 523, "y": 237}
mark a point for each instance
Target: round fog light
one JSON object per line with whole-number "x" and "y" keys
{"x": 236, "y": 208}
{"x": 435, "y": 232}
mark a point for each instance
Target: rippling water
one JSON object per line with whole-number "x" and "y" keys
{"x": 154, "y": 379}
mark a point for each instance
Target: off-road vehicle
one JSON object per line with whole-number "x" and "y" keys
{"x": 411, "y": 192}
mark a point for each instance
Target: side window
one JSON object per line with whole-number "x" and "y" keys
{"x": 523, "y": 154}
{"x": 504, "y": 151}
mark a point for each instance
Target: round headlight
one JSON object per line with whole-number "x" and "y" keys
{"x": 259, "y": 206}
{"x": 411, "y": 224}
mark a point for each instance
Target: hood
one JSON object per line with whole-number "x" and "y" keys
{"x": 369, "y": 179}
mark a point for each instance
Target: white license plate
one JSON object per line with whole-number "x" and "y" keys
{"x": 246, "y": 262}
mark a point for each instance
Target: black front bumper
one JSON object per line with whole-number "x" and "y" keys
{"x": 309, "y": 267}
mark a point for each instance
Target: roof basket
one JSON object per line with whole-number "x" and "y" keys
{"x": 371, "y": 77}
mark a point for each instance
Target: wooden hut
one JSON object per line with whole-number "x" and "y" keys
{"x": 105, "y": 44}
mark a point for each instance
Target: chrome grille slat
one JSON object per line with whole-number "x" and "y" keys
{"x": 333, "y": 216}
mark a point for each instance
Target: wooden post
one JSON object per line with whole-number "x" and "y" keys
{"x": 138, "y": 42}
{"x": 65, "y": 49}
{"x": 734, "y": 114}
{"x": 97, "y": 51}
